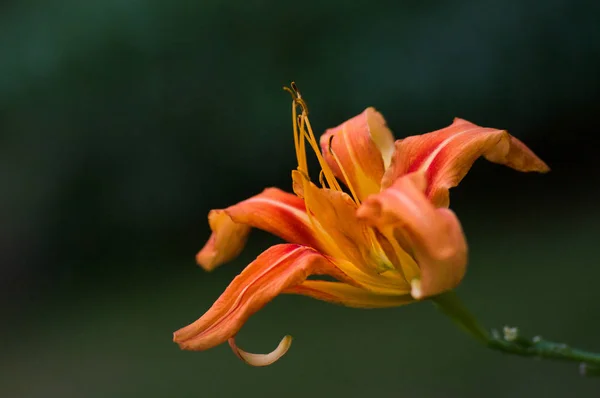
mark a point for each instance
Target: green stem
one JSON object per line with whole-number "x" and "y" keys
{"x": 511, "y": 342}
{"x": 452, "y": 306}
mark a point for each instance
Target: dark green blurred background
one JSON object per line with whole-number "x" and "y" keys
{"x": 122, "y": 123}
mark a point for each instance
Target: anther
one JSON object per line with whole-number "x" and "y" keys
{"x": 329, "y": 144}
{"x": 289, "y": 90}
{"x": 302, "y": 104}
{"x": 295, "y": 88}
{"x": 297, "y": 97}
{"x": 322, "y": 179}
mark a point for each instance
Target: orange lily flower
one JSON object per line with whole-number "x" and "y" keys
{"x": 388, "y": 242}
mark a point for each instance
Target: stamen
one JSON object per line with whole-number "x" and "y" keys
{"x": 408, "y": 268}
{"x": 321, "y": 180}
{"x": 376, "y": 248}
{"x": 289, "y": 90}
{"x": 298, "y": 98}
{"x": 295, "y": 88}
{"x": 301, "y": 151}
{"x": 310, "y": 137}
{"x": 337, "y": 161}
{"x": 300, "y": 124}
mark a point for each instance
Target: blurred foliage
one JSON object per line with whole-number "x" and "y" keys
{"x": 123, "y": 122}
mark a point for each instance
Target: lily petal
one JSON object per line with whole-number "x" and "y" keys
{"x": 348, "y": 295}
{"x": 436, "y": 238}
{"x": 278, "y": 268}
{"x": 363, "y": 146}
{"x": 446, "y": 155}
{"x": 225, "y": 243}
{"x": 262, "y": 359}
{"x": 275, "y": 211}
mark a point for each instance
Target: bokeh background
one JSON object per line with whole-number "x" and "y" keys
{"x": 122, "y": 123}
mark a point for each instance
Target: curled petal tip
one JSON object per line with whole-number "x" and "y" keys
{"x": 262, "y": 359}
{"x": 225, "y": 243}
{"x": 180, "y": 342}
{"x": 275, "y": 211}
{"x": 416, "y": 292}
{"x": 447, "y": 155}
{"x": 543, "y": 167}
{"x": 205, "y": 259}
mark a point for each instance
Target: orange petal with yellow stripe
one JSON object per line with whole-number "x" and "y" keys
{"x": 435, "y": 236}
{"x": 278, "y": 268}
{"x": 446, "y": 155}
{"x": 359, "y": 150}
{"x": 275, "y": 211}
{"x": 350, "y": 296}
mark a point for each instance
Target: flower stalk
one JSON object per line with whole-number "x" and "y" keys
{"x": 511, "y": 341}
